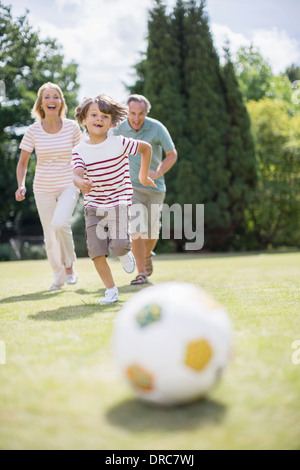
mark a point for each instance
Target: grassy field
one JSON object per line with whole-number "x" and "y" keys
{"x": 59, "y": 388}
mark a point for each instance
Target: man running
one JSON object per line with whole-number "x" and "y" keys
{"x": 147, "y": 202}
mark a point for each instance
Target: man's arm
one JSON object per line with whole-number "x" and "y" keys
{"x": 165, "y": 165}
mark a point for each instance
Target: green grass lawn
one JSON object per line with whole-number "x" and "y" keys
{"x": 59, "y": 388}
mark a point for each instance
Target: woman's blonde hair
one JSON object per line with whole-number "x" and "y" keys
{"x": 37, "y": 112}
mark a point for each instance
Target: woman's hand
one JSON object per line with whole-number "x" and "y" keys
{"x": 20, "y": 194}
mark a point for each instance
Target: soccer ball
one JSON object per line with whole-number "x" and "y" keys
{"x": 172, "y": 342}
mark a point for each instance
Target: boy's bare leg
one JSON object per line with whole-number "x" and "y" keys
{"x": 104, "y": 271}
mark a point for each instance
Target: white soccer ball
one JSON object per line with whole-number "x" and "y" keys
{"x": 172, "y": 342}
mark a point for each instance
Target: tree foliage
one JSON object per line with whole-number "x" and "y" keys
{"x": 254, "y": 73}
{"x": 273, "y": 217}
{"x": 257, "y": 80}
{"x": 275, "y": 210}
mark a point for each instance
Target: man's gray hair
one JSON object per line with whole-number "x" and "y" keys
{"x": 140, "y": 99}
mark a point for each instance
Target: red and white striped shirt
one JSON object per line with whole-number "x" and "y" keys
{"x": 54, "y": 169}
{"x": 107, "y": 165}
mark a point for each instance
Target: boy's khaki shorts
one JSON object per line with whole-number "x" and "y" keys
{"x": 107, "y": 229}
{"x": 145, "y": 213}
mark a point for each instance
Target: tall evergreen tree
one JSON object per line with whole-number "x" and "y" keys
{"x": 241, "y": 161}
{"x": 176, "y": 120}
{"x": 207, "y": 124}
{"x": 160, "y": 76}
{"x": 182, "y": 77}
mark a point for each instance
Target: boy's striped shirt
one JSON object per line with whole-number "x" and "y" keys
{"x": 107, "y": 165}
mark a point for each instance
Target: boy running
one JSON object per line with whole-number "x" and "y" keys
{"x": 101, "y": 172}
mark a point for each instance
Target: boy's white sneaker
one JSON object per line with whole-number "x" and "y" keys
{"x": 111, "y": 295}
{"x": 128, "y": 262}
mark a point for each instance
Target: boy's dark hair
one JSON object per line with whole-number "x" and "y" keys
{"x": 107, "y": 105}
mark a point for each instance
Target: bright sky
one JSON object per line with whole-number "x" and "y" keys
{"x": 105, "y": 37}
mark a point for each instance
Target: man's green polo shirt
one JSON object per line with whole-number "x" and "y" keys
{"x": 156, "y": 134}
